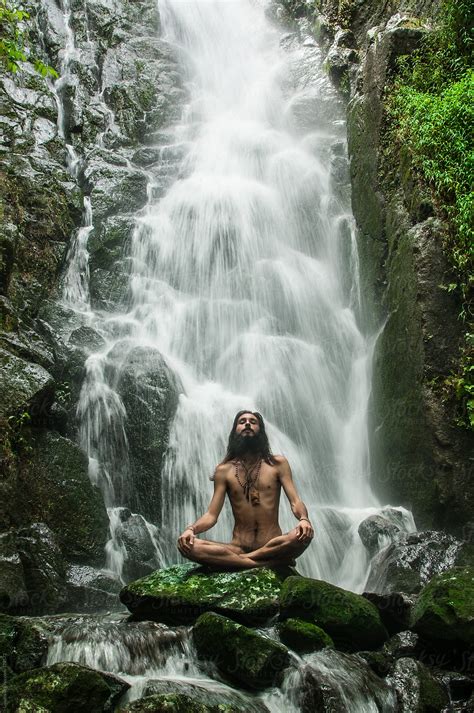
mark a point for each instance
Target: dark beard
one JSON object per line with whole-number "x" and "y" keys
{"x": 241, "y": 445}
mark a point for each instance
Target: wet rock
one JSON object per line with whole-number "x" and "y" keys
{"x": 23, "y": 643}
{"x": 108, "y": 288}
{"x": 141, "y": 551}
{"x": 444, "y": 610}
{"x": 193, "y": 695}
{"x": 23, "y": 386}
{"x": 417, "y": 690}
{"x": 149, "y": 392}
{"x": 239, "y": 652}
{"x": 12, "y": 577}
{"x": 57, "y": 687}
{"x": 376, "y": 532}
{"x": 380, "y": 663}
{"x": 394, "y": 609}
{"x": 352, "y": 622}
{"x": 405, "y": 643}
{"x": 43, "y": 566}
{"x": 410, "y": 562}
{"x": 110, "y": 241}
{"x": 302, "y": 636}
{"x": 115, "y": 189}
{"x": 179, "y": 594}
{"x": 330, "y": 682}
{"x": 91, "y": 590}
{"x": 54, "y": 488}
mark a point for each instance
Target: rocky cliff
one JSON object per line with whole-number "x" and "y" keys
{"x": 421, "y": 457}
{"x": 68, "y": 145}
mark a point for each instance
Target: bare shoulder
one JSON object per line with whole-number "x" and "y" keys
{"x": 281, "y": 464}
{"x": 221, "y": 472}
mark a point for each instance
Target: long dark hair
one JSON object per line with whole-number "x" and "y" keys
{"x": 264, "y": 446}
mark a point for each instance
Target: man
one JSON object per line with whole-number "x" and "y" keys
{"x": 252, "y": 478}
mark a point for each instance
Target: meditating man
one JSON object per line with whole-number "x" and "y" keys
{"x": 253, "y": 478}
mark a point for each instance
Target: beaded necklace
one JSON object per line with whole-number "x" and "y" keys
{"x": 250, "y": 486}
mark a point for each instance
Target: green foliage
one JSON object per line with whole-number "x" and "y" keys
{"x": 432, "y": 109}
{"x": 14, "y": 40}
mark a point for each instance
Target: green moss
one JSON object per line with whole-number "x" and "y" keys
{"x": 241, "y": 653}
{"x": 22, "y": 644}
{"x": 61, "y": 688}
{"x": 302, "y": 636}
{"x": 431, "y": 113}
{"x": 444, "y": 609}
{"x": 182, "y": 592}
{"x": 352, "y": 621}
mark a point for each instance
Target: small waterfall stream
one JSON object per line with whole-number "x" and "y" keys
{"x": 244, "y": 277}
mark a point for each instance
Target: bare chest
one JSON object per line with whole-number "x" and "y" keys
{"x": 262, "y": 486}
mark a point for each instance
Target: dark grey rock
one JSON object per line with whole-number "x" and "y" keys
{"x": 395, "y": 609}
{"x": 376, "y": 532}
{"x": 24, "y": 386}
{"x": 199, "y": 694}
{"x": 405, "y": 643}
{"x": 417, "y": 690}
{"x": 410, "y": 562}
{"x": 13, "y": 594}
{"x": 141, "y": 552}
{"x": 149, "y": 392}
{"x": 43, "y": 566}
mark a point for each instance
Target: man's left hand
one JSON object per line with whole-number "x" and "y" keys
{"x": 305, "y": 531}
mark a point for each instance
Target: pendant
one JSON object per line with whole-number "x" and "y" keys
{"x": 254, "y": 496}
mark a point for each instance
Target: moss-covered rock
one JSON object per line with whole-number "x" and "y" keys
{"x": 179, "y": 594}
{"x": 302, "y": 636}
{"x": 184, "y": 696}
{"x": 417, "y": 690}
{"x": 352, "y": 621}
{"x": 239, "y": 652}
{"x": 444, "y": 611}
{"x": 177, "y": 703}
{"x": 23, "y": 644}
{"x": 62, "y": 688}
{"x": 54, "y": 488}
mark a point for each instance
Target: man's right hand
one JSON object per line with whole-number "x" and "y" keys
{"x": 186, "y": 541}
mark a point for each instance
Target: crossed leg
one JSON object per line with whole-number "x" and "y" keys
{"x": 281, "y": 550}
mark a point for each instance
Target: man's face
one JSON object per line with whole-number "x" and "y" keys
{"x": 247, "y": 426}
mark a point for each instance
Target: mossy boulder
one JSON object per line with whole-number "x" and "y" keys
{"x": 54, "y": 488}
{"x": 352, "y": 622}
{"x": 178, "y": 703}
{"x": 417, "y": 690}
{"x": 179, "y": 594}
{"x": 62, "y": 688}
{"x": 23, "y": 644}
{"x": 302, "y": 636}
{"x": 184, "y": 696}
{"x": 247, "y": 657}
{"x": 444, "y": 611}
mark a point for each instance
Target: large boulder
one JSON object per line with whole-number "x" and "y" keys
{"x": 193, "y": 697}
{"x": 411, "y": 560}
{"x": 350, "y": 619}
{"x": 23, "y": 643}
{"x": 44, "y": 568}
{"x": 13, "y": 593}
{"x": 149, "y": 392}
{"x": 444, "y": 612}
{"x": 302, "y": 636}
{"x": 91, "y": 590}
{"x": 61, "y": 688}
{"x": 54, "y": 488}
{"x": 394, "y": 609}
{"x": 24, "y": 386}
{"x": 134, "y": 537}
{"x": 179, "y": 594}
{"x": 239, "y": 652}
{"x": 417, "y": 690}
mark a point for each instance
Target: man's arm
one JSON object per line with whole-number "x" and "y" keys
{"x": 298, "y": 507}
{"x": 210, "y": 517}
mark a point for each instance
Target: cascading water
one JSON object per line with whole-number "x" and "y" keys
{"x": 245, "y": 278}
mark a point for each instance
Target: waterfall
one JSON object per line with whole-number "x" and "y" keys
{"x": 244, "y": 276}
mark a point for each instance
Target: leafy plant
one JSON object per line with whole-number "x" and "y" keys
{"x": 14, "y": 41}
{"x": 431, "y": 110}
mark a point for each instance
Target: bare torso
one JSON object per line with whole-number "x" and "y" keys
{"x": 254, "y": 525}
